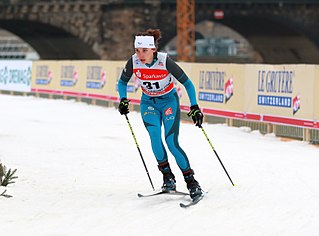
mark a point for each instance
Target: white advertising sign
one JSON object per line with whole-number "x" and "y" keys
{"x": 15, "y": 75}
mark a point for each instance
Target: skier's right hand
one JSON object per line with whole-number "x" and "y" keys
{"x": 124, "y": 106}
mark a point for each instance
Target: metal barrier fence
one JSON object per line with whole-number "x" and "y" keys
{"x": 262, "y": 127}
{"x": 289, "y": 132}
{"x": 314, "y": 136}
{"x": 292, "y": 132}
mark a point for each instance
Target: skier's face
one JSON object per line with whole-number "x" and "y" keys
{"x": 146, "y": 55}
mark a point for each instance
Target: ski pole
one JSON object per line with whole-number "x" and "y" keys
{"x": 216, "y": 154}
{"x": 139, "y": 150}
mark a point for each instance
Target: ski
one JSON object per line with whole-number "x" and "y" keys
{"x": 193, "y": 202}
{"x": 174, "y": 192}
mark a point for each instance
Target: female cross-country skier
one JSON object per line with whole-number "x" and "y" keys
{"x": 160, "y": 105}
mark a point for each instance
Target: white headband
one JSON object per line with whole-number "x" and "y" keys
{"x": 144, "y": 42}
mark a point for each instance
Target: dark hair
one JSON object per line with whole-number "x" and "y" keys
{"x": 156, "y": 33}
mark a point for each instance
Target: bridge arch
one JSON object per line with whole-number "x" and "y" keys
{"x": 215, "y": 42}
{"x": 274, "y": 32}
{"x": 48, "y": 41}
{"x": 275, "y": 41}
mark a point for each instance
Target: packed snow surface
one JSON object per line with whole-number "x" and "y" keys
{"x": 79, "y": 172}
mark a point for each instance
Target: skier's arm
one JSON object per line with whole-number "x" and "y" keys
{"x": 180, "y": 75}
{"x": 124, "y": 79}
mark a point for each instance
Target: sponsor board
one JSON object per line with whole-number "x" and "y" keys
{"x": 218, "y": 86}
{"x": 316, "y": 95}
{"x": 283, "y": 94}
{"x": 281, "y": 90}
{"x": 15, "y": 76}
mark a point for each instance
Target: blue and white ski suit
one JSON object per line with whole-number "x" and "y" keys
{"x": 160, "y": 103}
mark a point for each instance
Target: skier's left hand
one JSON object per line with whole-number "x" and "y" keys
{"x": 196, "y": 115}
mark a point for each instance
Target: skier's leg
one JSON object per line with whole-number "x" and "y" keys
{"x": 171, "y": 120}
{"x": 153, "y": 121}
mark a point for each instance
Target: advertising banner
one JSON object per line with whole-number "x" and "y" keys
{"x": 71, "y": 77}
{"x": 316, "y": 95}
{"x": 284, "y": 94}
{"x": 218, "y": 87}
{"x": 44, "y": 76}
{"x": 184, "y": 100}
{"x": 98, "y": 79}
{"x": 280, "y": 90}
{"x": 15, "y": 76}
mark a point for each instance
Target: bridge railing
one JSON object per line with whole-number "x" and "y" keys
{"x": 13, "y": 2}
{"x": 251, "y": 1}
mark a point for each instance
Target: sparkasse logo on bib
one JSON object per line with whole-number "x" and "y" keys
{"x": 147, "y": 74}
{"x": 155, "y": 76}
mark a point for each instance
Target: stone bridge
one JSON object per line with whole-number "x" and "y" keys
{"x": 279, "y": 31}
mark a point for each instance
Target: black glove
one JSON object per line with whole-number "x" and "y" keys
{"x": 123, "y": 106}
{"x": 196, "y": 115}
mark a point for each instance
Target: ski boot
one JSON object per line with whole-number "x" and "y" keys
{"x": 168, "y": 177}
{"x": 195, "y": 191}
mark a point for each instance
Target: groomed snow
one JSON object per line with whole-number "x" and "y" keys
{"x": 79, "y": 172}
